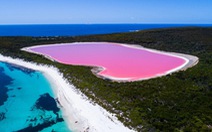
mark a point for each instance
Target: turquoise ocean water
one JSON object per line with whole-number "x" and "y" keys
{"x": 27, "y": 103}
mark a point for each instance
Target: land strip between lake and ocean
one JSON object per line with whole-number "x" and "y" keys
{"x": 87, "y": 116}
{"x": 180, "y": 101}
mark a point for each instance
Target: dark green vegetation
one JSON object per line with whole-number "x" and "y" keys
{"x": 181, "y": 101}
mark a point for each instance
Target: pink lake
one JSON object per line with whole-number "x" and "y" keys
{"x": 118, "y": 61}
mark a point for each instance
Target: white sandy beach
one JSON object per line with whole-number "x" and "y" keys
{"x": 79, "y": 112}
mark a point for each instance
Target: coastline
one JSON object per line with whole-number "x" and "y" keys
{"x": 84, "y": 117}
{"x": 177, "y": 95}
{"x": 190, "y": 61}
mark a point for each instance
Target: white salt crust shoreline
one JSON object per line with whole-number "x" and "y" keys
{"x": 190, "y": 60}
{"x": 78, "y": 111}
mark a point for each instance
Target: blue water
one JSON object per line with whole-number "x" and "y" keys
{"x": 81, "y": 29}
{"x": 27, "y": 103}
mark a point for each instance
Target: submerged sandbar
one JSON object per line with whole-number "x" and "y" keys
{"x": 119, "y": 62}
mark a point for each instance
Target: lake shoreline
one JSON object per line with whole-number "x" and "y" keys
{"x": 190, "y": 61}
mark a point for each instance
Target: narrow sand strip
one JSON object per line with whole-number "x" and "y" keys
{"x": 79, "y": 112}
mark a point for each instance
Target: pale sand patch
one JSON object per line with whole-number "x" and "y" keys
{"x": 78, "y": 111}
{"x": 190, "y": 60}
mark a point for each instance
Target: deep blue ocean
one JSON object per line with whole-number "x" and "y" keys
{"x": 82, "y": 29}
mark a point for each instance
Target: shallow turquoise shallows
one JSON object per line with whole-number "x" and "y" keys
{"x": 27, "y": 102}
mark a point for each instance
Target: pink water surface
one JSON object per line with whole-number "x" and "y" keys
{"x": 119, "y": 61}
